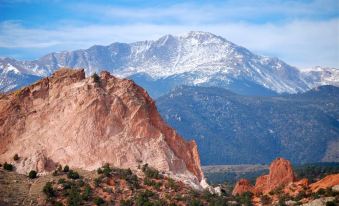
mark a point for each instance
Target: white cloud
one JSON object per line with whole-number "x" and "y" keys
{"x": 300, "y": 43}
{"x": 212, "y": 12}
{"x": 301, "y": 38}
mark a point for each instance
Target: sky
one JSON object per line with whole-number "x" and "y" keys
{"x": 303, "y": 33}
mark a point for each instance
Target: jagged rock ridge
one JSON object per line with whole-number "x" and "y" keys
{"x": 70, "y": 119}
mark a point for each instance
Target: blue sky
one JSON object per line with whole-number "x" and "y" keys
{"x": 302, "y": 33}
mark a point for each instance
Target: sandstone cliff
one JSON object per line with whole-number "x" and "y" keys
{"x": 70, "y": 119}
{"x": 280, "y": 175}
{"x": 326, "y": 182}
{"x": 281, "y": 182}
{"x": 243, "y": 185}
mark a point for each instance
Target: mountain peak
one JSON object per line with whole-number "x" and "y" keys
{"x": 202, "y": 36}
{"x": 194, "y": 58}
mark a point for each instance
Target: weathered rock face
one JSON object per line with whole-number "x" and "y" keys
{"x": 70, "y": 119}
{"x": 294, "y": 188}
{"x": 243, "y": 185}
{"x": 328, "y": 181}
{"x": 281, "y": 174}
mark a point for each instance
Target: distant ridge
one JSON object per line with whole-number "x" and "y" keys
{"x": 236, "y": 129}
{"x": 196, "y": 58}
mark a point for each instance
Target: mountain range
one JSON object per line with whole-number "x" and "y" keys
{"x": 235, "y": 129}
{"x": 195, "y": 58}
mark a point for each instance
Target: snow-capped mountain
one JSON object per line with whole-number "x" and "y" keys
{"x": 196, "y": 58}
{"x": 15, "y": 74}
{"x": 319, "y": 76}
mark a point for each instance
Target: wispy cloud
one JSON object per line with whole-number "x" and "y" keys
{"x": 245, "y": 11}
{"x": 303, "y": 33}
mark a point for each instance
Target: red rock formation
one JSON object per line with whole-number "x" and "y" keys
{"x": 281, "y": 174}
{"x": 243, "y": 185}
{"x": 294, "y": 188}
{"x": 70, "y": 119}
{"x": 328, "y": 181}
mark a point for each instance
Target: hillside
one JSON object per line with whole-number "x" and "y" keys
{"x": 235, "y": 129}
{"x": 106, "y": 186}
{"x": 144, "y": 186}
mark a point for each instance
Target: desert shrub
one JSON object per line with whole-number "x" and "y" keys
{"x": 178, "y": 197}
{"x": 48, "y": 190}
{"x": 57, "y": 204}
{"x": 194, "y": 202}
{"x": 97, "y": 182}
{"x": 160, "y": 202}
{"x": 98, "y": 201}
{"x": 66, "y": 168}
{"x": 218, "y": 201}
{"x": 61, "y": 181}
{"x": 143, "y": 198}
{"x": 74, "y": 197}
{"x": 32, "y": 174}
{"x": 66, "y": 185}
{"x": 73, "y": 175}
{"x": 8, "y": 167}
{"x": 194, "y": 193}
{"x": 172, "y": 184}
{"x": 96, "y": 78}
{"x": 315, "y": 196}
{"x": 301, "y": 195}
{"x": 55, "y": 173}
{"x": 106, "y": 170}
{"x": 128, "y": 202}
{"x": 99, "y": 171}
{"x": 80, "y": 182}
{"x": 127, "y": 175}
{"x": 151, "y": 172}
{"x": 245, "y": 198}
{"x": 149, "y": 182}
{"x": 16, "y": 157}
{"x": 208, "y": 196}
{"x": 265, "y": 200}
{"x": 321, "y": 191}
{"x": 122, "y": 173}
{"x": 331, "y": 203}
{"x": 282, "y": 201}
{"x": 329, "y": 192}
{"x": 87, "y": 192}
{"x": 132, "y": 181}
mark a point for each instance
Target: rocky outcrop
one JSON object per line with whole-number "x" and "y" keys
{"x": 281, "y": 174}
{"x": 294, "y": 188}
{"x": 243, "y": 185}
{"x": 327, "y": 182}
{"x": 70, "y": 119}
{"x": 281, "y": 181}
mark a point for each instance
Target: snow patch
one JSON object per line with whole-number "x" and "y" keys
{"x": 11, "y": 68}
